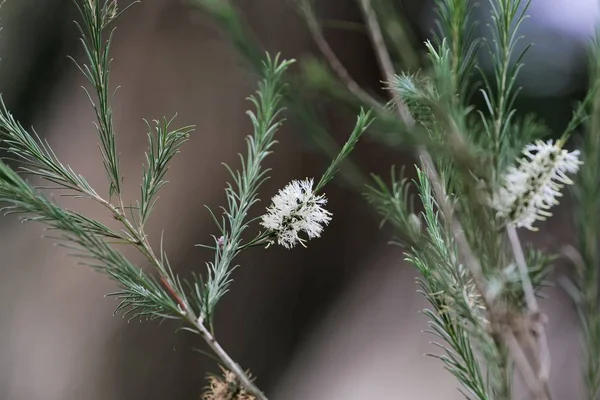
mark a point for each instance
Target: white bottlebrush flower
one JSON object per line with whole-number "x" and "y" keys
{"x": 530, "y": 189}
{"x": 296, "y": 209}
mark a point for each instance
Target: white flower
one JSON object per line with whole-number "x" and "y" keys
{"x": 296, "y": 209}
{"x": 530, "y": 189}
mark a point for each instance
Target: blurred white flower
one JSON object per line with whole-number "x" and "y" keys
{"x": 296, "y": 209}
{"x": 529, "y": 190}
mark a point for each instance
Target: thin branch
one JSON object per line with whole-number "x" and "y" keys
{"x": 383, "y": 56}
{"x": 187, "y": 313}
{"x": 528, "y": 290}
{"x": 536, "y": 320}
{"x": 522, "y": 363}
{"x": 228, "y": 361}
{"x": 334, "y": 62}
{"x": 464, "y": 248}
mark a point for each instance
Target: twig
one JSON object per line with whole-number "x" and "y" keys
{"x": 528, "y": 290}
{"x": 520, "y": 359}
{"x": 190, "y": 317}
{"x": 142, "y": 244}
{"x": 228, "y": 361}
{"x": 188, "y": 314}
{"x": 535, "y": 318}
{"x": 383, "y": 56}
{"x": 464, "y": 248}
{"x": 334, "y": 62}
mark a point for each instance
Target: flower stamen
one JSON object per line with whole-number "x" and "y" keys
{"x": 295, "y": 209}
{"x": 529, "y": 190}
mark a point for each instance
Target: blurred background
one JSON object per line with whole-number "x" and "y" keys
{"x": 338, "y": 320}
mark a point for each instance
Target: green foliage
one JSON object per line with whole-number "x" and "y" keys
{"x": 162, "y": 148}
{"x": 243, "y": 193}
{"x": 395, "y": 205}
{"x": 363, "y": 121}
{"x": 587, "y": 218}
{"x": 509, "y": 284}
{"x": 36, "y": 156}
{"x": 140, "y": 295}
{"x": 457, "y": 316}
{"x": 500, "y": 93}
{"x": 420, "y": 95}
{"x": 520, "y": 132}
{"x": 96, "y": 16}
{"x": 479, "y": 150}
{"x": 476, "y": 281}
{"x": 161, "y": 293}
{"x": 456, "y": 26}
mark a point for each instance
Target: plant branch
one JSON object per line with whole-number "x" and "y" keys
{"x": 535, "y": 318}
{"x": 142, "y": 244}
{"x": 228, "y": 361}
{"x": 383, "y": 56}
{"x": 97, "y": 16}
{"x": 334, "y": 62}
{"x": 387, "y": 68}
{"x": 468, "y": 256}
{"x": 528, "y": 290}
{"x": 523, "y": 365}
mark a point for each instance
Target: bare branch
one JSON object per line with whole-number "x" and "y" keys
{"x": 383, "y": 56}
{"x": 334, "y": 62}
{"x": 535, "y": 319}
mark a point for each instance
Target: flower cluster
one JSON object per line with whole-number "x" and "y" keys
{"x": 225, "y": 388}
{"x": 530, "y": 189}
{"x": 293, "y": 210}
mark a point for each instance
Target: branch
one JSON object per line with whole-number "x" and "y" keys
{"x": 386, "y": 65}
{"x": 334, "y": 62}
{"x": 96, "y": 17}
{"x": 535, "y": 317}
{"x": 464, "y": 248}
{"x": 468, "y": 256}
{"x": 228, "y": 361}
{"x": 383, "y": 56}
{"x": 528, "y": 290}
{"x": 522, "y": 363}
{"x": 186, "y": 312}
